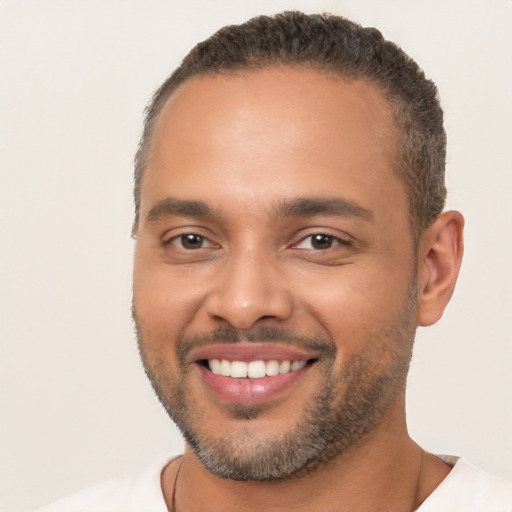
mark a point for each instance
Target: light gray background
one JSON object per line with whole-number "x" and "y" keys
{"x": 74, "y": 78}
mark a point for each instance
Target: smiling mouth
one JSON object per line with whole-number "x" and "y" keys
{"x": 254, "y": 369}
{"x": 252, "y": 373}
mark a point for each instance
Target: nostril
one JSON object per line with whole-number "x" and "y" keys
{"x": 243, "y": 305}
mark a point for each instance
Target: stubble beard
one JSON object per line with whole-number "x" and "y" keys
{"x": 330, "y": 425}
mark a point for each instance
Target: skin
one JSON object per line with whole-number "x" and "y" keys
{"x": 243, "y": 144}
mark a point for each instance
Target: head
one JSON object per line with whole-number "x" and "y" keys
{"x": 285, "y": 251}
{"x": 335, "y": 45}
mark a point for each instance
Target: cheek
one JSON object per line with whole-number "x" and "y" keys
{"x": 164, "y": 303}
{"x": 356, "y": 306}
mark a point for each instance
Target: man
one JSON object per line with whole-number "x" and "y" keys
{"x": 289, "y": 192}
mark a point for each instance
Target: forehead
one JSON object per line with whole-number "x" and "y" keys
{"x": 271, "y": 132}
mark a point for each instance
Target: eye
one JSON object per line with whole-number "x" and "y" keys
{"x": 190, "y": 241}
{"x": 319, "y": 242}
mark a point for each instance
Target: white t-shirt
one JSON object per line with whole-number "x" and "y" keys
{"x": 465, "y": 489}
{"x": 468, "y": 489}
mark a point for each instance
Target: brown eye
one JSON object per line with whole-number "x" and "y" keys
{"x": 190, "y": 241}
{"x": 321, "y": 241}
{"x": 318, "y": 242}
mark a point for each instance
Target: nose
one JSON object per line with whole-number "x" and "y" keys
{"x": 247, "y": 289}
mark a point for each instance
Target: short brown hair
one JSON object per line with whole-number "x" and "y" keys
{"x": 335, "y": 44}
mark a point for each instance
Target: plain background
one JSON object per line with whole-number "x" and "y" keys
{"x": 74, "y": 78}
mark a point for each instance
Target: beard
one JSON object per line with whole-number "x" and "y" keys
{"x": 348, "y": 405}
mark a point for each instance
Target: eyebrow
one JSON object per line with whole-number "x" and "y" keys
{"x": 330, "y": 206}
{"x": 299, "y": 207}
{"x": 172, "y": 206}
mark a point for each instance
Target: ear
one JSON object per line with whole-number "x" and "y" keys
{"x": 440, "y": 255}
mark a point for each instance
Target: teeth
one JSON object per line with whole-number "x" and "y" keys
{"x": 225, "y": 368}
{"x": 254, "y": 369}
{"x": 284, "y": 367}
{"x": 239, "y": 369}
{"x": 272, "y": 368}
{"x": 297, "y": 365}
{"x": 215, "y": 366}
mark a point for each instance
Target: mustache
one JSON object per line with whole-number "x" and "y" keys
{"x": 321, "y": 346}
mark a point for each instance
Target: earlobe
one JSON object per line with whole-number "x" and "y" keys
{"x": 440, "y": 257}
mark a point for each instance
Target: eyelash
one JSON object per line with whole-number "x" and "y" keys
{"x": 334, "y": 241}
{"x": 331, "y": 239}
{"x": 181, "y": 237}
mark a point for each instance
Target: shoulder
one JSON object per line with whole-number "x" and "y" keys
{"x": 469, "y": 489}
{"x": 119, "y": 495}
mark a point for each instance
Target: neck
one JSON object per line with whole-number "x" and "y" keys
{"x": 385, "y": 469}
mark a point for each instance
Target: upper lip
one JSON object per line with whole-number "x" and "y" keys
{"x": 248, "y": 351}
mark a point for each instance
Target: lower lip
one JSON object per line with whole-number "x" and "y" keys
{"x": 251, "y": 391}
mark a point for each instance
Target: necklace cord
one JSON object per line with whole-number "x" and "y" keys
{"x": 173, "y": 497}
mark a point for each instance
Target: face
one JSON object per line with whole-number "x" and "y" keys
{"x": 274, "y": 274}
